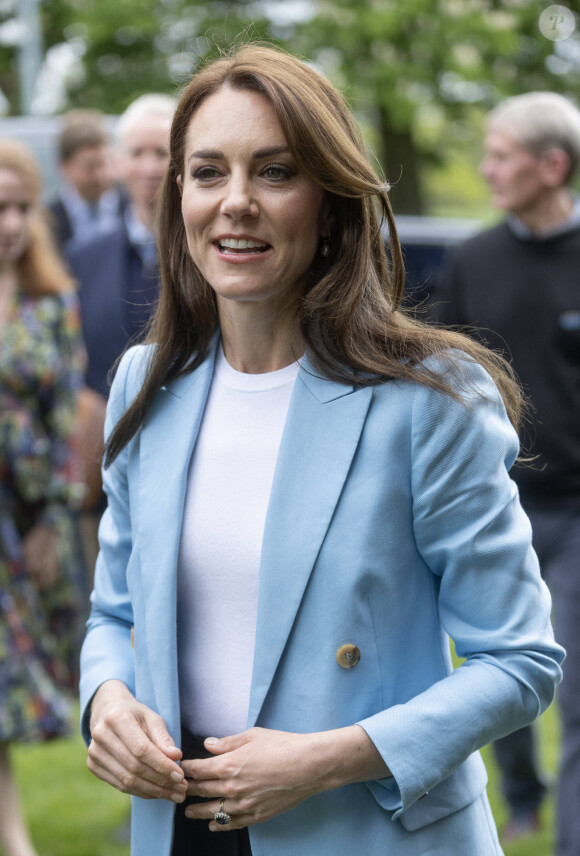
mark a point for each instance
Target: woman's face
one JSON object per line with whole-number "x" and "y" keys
{"x": 15, "y": 210}
{"x": 253, "y": 220}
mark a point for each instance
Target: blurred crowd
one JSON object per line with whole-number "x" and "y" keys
{"x": 79, "y": 280}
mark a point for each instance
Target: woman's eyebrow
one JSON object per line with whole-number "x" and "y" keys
{"x": 270, "y": 152}
{"x": 259, "y": 154}
{"x": 207, "y": 154}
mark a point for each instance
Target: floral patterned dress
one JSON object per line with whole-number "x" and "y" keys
{"x": 41, "y": 361}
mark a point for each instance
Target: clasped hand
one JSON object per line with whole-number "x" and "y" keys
{"x": 259, "y": 773}
{"x": 131, "y": 748}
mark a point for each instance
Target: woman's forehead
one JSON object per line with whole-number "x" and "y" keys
{"x": 236, "y": 117}
{"x": 13, "y": 181}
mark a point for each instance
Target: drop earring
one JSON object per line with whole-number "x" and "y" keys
{"x": 325, "y": 247}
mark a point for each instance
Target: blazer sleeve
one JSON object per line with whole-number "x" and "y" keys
{"x": 472, "y": 533}
{"x": 107, "y": 651}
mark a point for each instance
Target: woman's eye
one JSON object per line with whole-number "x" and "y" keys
{"x": 23, "y": 207}
{"x": 205, "y": 173}
{"x": 277, "y": 173}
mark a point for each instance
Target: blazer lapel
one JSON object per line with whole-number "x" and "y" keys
{"x": 322, "y": 431}
{"x": 167, "y": 443}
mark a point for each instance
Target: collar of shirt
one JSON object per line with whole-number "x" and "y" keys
{"x": 141, "y": 238}
{"x": 89, "y": 218}
{"x": 570, "y": 224}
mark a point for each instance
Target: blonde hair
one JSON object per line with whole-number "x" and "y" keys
{"x": 40, "y": 268}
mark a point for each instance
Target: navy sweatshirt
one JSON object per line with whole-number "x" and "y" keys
{"x": 525, "y": 294}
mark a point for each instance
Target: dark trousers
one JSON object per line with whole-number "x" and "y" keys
{"x": 556, "y": 540}
{"x": 192, "y": 837}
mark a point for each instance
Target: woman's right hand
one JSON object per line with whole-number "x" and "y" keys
{"x": 131, "y": 748}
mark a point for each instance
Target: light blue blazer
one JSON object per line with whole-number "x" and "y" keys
{"x": 392, "y": 525}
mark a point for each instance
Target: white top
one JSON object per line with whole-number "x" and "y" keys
{"x": 228, "y": 490}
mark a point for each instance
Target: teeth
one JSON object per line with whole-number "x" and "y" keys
{"x": 241, "y": 244}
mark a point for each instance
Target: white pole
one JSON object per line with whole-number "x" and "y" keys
{"x": 31, "y": 51}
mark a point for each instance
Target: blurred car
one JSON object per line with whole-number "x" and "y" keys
{"x": 427, "y": 243}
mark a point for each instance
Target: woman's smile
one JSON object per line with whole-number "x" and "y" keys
{"x": 241, "y": 248}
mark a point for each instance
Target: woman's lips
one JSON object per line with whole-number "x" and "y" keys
{"x": 242, "y": 246}
{"x": 247, "y": 246}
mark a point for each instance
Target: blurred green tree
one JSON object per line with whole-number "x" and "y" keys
{"x": 417, "y": 71}
{"x": 419, "y": 65}
{"x": 107, "y": 52}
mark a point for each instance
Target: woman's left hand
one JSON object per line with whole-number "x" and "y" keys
{"x": 258, "y": 773}
{"x": 261, "y": 773}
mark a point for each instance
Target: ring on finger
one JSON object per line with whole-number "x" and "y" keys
{"x": 221, "y": 816}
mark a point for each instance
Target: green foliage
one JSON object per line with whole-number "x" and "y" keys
{"x": 457, "y": 190}
{"x": 418, "y": 71}
{"x": 128, "y": 47}
{"x": 415, "y": 59}
{"x": 452, "y": 52}
{"x": 70, "y": 813}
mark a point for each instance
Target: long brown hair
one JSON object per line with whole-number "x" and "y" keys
{"x": 40, "y": 269}
{"x": 349, "y": 313}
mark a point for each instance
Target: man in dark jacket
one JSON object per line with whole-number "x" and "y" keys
{"x": 118, "y": 278}
{"x": 519, "y": 283}
{"x": 88, "y": 202}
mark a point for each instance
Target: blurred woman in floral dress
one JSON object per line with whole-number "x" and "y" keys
{"x": 41, "y": 599}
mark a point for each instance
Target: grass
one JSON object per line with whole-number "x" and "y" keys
{"x": 70, "y": 813}
{"x": 73, "y": 814}
{"x": 542, "y": 843}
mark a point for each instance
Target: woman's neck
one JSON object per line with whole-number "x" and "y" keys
{"x": 8, "y": 279}
{"x": 8, "y": 287}
{"x": 255, "y": 343}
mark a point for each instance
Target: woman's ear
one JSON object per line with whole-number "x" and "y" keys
{"x": 179, "y": 183}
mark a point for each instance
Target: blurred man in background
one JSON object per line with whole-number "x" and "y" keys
{"x": 118, "y": 280}
{"x": 520, "y": 282}
{"x": 88, "y": 201}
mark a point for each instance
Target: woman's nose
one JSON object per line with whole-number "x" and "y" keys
{"x": 238, "y": 200}
{"x": 13, "y": 220}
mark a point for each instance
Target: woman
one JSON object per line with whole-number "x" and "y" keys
{"x": 40, "y": 369}
{"x": 307, "y": 492}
